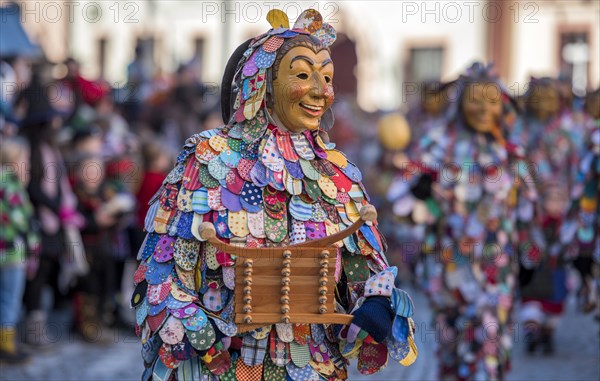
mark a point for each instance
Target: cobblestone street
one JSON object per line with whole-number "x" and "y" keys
{"x": 577, "y": 357}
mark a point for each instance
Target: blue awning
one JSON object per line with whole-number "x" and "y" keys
{"x": 13, "y": 39}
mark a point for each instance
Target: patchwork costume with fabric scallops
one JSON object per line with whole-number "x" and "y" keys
{"x": 261, "y": 186}
{"x": 467, "y": 192}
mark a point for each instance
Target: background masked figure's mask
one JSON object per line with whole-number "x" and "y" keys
{"x": 482, "y": 106}
{"x": 544, "y": 102}
{"x": 302, "y": 90}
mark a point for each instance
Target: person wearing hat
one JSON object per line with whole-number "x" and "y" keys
{"x": 53, "y": 201}
{"x": 270, "y": 177}
{"x": 461, "y": 185}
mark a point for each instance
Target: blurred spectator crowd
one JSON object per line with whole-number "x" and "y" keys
{"x": 80, "y": 161}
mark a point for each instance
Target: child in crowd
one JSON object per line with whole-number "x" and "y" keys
{"x": 103, "y": 210}
{"x": 19, "y": 243}
{"x": 156, "y": 167}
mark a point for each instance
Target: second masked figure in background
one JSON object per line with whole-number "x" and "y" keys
{"x": 462, "y": 184}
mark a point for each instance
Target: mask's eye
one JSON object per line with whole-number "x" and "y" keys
{"x": 327, "y": 79}
{"x": 302, "y": 76}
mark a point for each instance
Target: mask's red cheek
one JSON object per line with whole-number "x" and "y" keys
{"x": 294, "y": 92}
{"x": 329, "y": 95}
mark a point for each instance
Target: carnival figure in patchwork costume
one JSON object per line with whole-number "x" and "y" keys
{"x": 268, "y": 179}
{"x": 462, "y": 186}
{"x": 554, "y": 139}
{"x": 429, "y": 114}
{"x": 587, "y": 237}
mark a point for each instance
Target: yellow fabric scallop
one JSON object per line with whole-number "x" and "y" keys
{"x": 278, "y": 19}
{"x": 186, "y": 277}
{"x": 331, "y": 229}
{"x": 179, "y": 294}
{"x": 253, "y": 104}
{"x": 352, "y": 211}
{"x": 412, "y": 355}
{"x": 238, "y": 223}
{"x": 211, "y": 260}
{"x": 328, "y": 187}
{"x": 162, "y": 220}
{"x": 218, "y": 143}
{"x": 184, "y": 200}
{"x": 337, "y": 158}
{"x": 325, "y": 368}
{"x": 320, "y": 142}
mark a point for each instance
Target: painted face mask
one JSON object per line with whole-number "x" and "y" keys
{"x": 544, "y": 102}
{"x": 303, "y": 90}
{"x": 482, "y": 106}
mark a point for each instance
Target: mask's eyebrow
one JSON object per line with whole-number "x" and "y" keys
{"x": 326, "y": 62}
{"x": 310, "y": 61}
{"x": 305, "y": 58}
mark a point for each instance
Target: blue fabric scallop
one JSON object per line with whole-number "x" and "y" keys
{"x": 299, "y": 209}
{"x": 158, "y": 273}
{"x": 184, "y": 225}
{"x": 195, "y": 322}
{"x": 174, "y": 304}
{"x": 230, "y": 158}
{"x": 183, "y": 155}
{"x": 149, "y": 220}
{"x": 155, "y": 310}
{"x": 141, "y": 312}
{"x": 287, "y": 34}
{"x": 258, "y": 174}
{"x": 294, "y": 169}
{"x": 207, "y": 134}
{"x": 251, "y": 197}
{"x": 249, "y": 151}
{"x": 352, "y": 172}
{"x": 150, "y": 348}
{"x": 221, "y": 224}
{"x": 402, "y": 303}
{"x": 148, "y": 246}
{"x": 370, "y": 237}
{"x": 200, "y": 201}
{"x": 236, "y": 131}
{"x": 230, "y": 201}
{"x": 217, "y": 168}
{"x": 263, "y": 59}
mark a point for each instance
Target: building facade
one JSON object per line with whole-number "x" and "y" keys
{"x": 398, "y": 44}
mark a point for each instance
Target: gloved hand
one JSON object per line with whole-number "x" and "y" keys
{"x": 374, "y": 317}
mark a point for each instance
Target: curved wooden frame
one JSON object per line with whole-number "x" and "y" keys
{"x": 302, "y": 272}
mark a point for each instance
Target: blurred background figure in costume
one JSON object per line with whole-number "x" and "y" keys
{"x": 428, "y": 114}
{"x": 553, "y": 138}
{"x": 430, "y": 111}
{"x": 270, "y": 177}
{"x": 588, "y": 206}
{"x": 19, "y": 244}
{"x": 461, "y": 185}
{"x": 394, "y": 135}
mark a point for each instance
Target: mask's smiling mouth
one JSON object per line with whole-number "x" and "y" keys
{"x": 312, "y": 109}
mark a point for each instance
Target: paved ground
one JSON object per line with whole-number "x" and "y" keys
{"x": 577, "y": 357}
